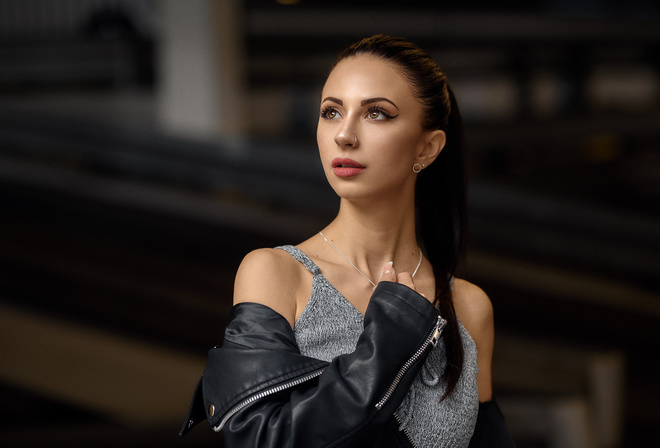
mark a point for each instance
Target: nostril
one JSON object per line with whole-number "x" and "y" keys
{"x": 342, "y": 139}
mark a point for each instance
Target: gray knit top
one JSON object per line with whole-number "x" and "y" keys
{"x": 330, "y": 326}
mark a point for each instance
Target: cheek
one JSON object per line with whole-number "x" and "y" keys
{"x": 396, "y": 147}
{"x": 323, "y": 140}
{"x": 326, "y": 145}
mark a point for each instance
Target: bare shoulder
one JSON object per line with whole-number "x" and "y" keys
{"x": 475, "y": 310}
{"x": 471, "y": 302}
{"x": 270, "y": 277}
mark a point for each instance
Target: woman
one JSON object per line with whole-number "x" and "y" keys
{"x": 360, "y": 336}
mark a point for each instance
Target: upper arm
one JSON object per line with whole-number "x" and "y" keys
{"x": 475, "y": 310}
{"x": 269, "y": 277}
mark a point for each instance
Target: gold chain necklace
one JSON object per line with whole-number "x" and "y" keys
{"x": 361, "y": 273}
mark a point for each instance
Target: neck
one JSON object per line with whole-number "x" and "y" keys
{"x": 371, "y": 234}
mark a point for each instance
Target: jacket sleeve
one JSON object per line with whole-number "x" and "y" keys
{"x": 490, "y": 430}
{"x": 340, "y": 407}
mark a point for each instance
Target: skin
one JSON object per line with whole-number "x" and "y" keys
{"x": 368, "y": 98}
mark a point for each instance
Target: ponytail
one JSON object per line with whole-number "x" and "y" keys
{"x": 441, "y": 210}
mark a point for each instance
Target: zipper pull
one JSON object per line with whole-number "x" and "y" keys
{"x": 438, "y": 330}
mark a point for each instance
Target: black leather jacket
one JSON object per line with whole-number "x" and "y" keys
{"x": 263, "y": 393}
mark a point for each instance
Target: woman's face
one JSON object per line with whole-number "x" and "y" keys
{"x": 369, "y": 131}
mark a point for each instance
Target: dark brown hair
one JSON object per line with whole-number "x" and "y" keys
{"x": 440, "y": 193}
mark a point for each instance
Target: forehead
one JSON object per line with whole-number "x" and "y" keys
{"x": 367, "y": 76}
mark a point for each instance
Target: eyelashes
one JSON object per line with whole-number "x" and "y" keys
{"x": 376, "y": 113}
{"x": 329, "y": 113}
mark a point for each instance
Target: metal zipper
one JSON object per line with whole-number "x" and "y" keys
{"x": 265, "y": 393}
{"x": 431, "y": 340}
{"x": 405, "y": 431}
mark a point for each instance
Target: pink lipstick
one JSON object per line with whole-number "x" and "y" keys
{"x": 346, "y": 167}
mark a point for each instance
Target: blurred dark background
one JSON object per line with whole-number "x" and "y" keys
{"x": 147, "y": 145}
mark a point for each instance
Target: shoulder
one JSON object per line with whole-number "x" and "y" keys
{"x": 270, "y": 277}
{"x": 267, "y": 261}
{"x": 475, "y": 310}
{"x": 472, "y": 304}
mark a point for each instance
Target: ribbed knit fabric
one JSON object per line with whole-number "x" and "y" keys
{"x": 330, "y": 326}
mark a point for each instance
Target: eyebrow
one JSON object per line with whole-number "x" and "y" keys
{"x": 333, "y": 99}
{"x": 375, "y": 100}
{"x": 367, "y": 101}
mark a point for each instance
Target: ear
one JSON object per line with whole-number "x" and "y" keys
{"x": 432, "y": 145}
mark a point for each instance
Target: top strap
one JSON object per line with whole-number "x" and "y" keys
{"x": 301, "y": 257}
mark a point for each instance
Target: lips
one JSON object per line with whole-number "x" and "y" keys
{"x": 346, "y": 167}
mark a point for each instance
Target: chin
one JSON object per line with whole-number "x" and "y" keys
{"x": 354, "y": 192}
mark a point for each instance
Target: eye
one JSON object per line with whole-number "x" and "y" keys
{"x": 379, "y": 114}
{"x": 329, "y": 113}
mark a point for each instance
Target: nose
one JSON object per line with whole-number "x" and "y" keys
{"x": 346, "y": 138}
